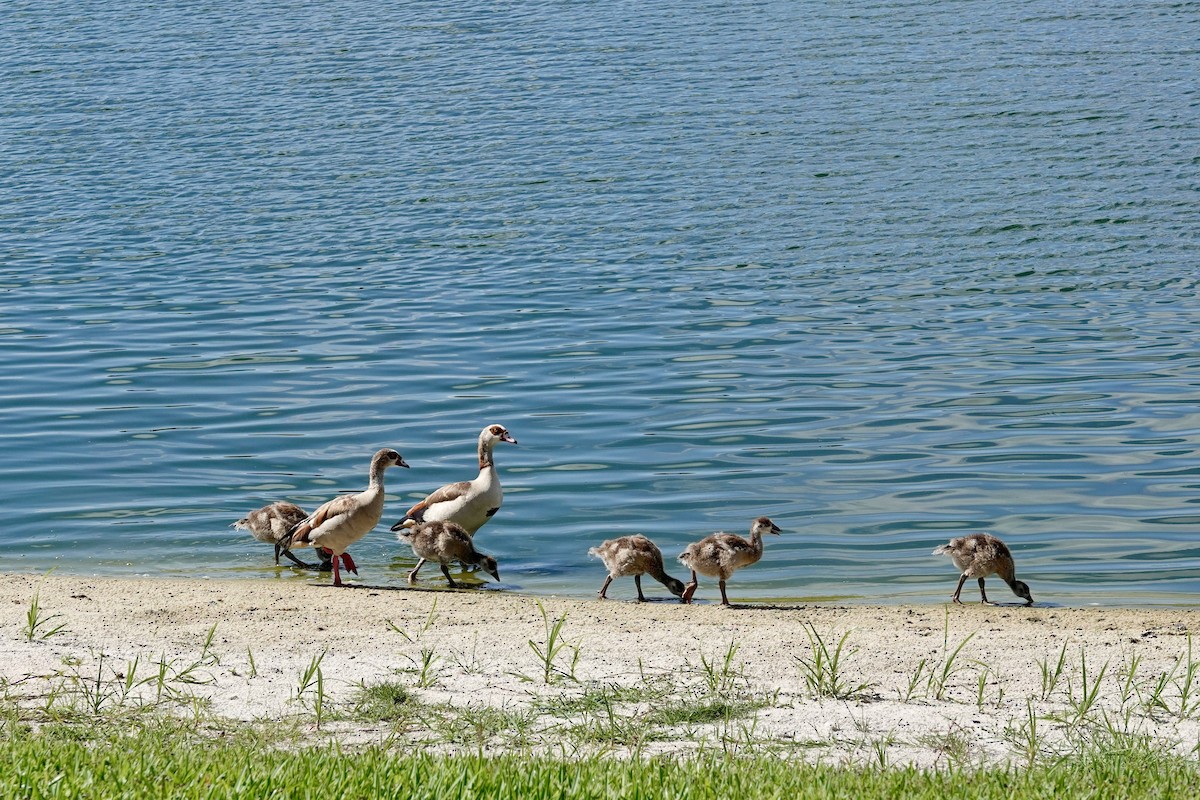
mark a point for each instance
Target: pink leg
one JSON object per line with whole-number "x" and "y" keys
{"x": 604, "y": 588}
{"x": 337, "y": 578}
{"x": 348, "y": 562}
{"x": 690, "y": 589}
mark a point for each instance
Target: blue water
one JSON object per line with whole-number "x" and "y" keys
{"x": 887, "y": 272}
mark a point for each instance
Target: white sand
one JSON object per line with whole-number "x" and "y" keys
{"x": 480, "y": 641}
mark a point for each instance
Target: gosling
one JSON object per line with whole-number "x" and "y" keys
{"x": 443, "y": 541}
{"x": 979, "y": 555}
{"x": 272, "y": 524}
{"x": 720, "y": 554}
{"x": 634, "y": 555}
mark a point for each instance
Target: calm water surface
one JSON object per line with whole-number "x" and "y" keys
{"x": 887, "y": 272}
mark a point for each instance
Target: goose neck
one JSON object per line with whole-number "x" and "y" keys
{"x": 485, "y": 453}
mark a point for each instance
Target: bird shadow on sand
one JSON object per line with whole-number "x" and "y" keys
{"x": 461, "y": 588}
{"x": 754, "y": 606}
{"x": 633, "y": 601}
{"x": 801, "y": 606}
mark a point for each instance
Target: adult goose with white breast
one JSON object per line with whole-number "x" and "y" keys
{"x": 272, "y": 524}
{"x": 719, "y": 555}
{"x": 469, "y": 504}
{"x": 443, "y": 542}
{"x": 979, "y": 555}
{"x": 344, "y": 520}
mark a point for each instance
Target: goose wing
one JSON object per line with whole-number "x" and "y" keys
{"x": 448, "y": 493}
{"x": 337, "y": 507}
{"x": 729, "y": 543}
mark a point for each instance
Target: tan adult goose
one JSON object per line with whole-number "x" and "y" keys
{"x": 470, "y": 504}
{"x": 979, "y": 555}
{"x": 443, "y": 542}
{"x": 634, "y": 555}
{"x": 273, "y": 524}
{"x": 720, "y": 554}
{"x": 344, "y": 520}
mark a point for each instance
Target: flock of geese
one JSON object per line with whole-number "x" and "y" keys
{"x": 442, "y": 528}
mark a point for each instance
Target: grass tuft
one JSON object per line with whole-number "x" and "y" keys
{"x": 553, "y": 649}
{"x": 386, "y": 701}
{"x": 40, "y": 626}
{"x": 822, "y": 669}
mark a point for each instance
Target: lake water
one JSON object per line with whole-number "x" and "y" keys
{"x": 887, "y": 272}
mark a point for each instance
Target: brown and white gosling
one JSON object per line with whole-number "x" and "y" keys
{"x": 979, "y": 555}
{"x": 634, "y": 555}
{"x": 272, "y": 524}
{"x": 344, "y": 520}
{"x": 720, "y": 554}
{"x": 443, "y": 542}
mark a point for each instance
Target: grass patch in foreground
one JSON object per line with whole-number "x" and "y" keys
{"x": 168, "y": 763}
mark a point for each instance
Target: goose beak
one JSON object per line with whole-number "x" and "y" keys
{"x": 507, "y": 437}
{"x": 402, "y": 463}
{"x": 775, "y": 529}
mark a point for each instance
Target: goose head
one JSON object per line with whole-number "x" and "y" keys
{"x": 389, "y": 458}
{"x": 490, "y": 566}
{"x": 496, "y": 433}
{"x": 764, "y": 525}
{"x": 1021, "y": 589}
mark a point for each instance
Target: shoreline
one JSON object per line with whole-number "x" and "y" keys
{"x": 937, "y": 682}
{"x": 394, "y": 579}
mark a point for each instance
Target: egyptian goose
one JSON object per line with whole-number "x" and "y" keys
{"x": 272, "y": 524}
{"x": 979, "y": 555}
{"x": 443, "y": 542}
{"x": 344, "y": 520}
{"x": 634, "y": 555}
{"x": 720, "y": 554}
{"x": 469, "y": 503}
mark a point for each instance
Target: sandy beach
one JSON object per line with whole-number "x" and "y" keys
{"x": 914, "y": 694}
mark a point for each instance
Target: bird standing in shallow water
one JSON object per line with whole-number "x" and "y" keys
{"x": 634, "y": 555}
{"x": 344, "y": 520}
{"x": 979, "y": 555}
{"x": 443, "y": 542}
{"x": 720, "y": 554}
{"x": 472, "y": 503}
{"x": 273, "y": 524}
{"x": 469, "y": 504}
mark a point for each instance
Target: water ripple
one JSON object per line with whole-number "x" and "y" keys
{"x": 885, "y": 276}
